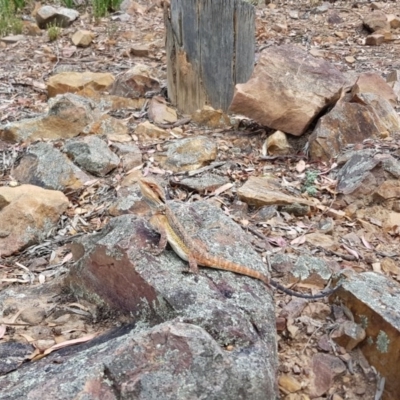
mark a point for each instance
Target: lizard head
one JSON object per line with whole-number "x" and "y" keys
{"x": 152, "y": 192}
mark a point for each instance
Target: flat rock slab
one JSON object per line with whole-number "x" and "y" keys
{"x": 260, "y": 192}
{"x": 174, "y": 360}
{"x": 116, "y": 269}
{"x": 374, "y": 301}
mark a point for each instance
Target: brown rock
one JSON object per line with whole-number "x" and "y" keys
{"x": 289, "y": 383}
{"x": 72, "y": 82}
{"x": 147, "y": 131}
{"x": 160, "y": 113}
{"x": 370, "y": 82}
{"x": 130, "y": 155}
{"x": 394, "y": 21}
{"x": 390, "y": 189}
{"x": 140, "y": 51}
{"x": 12, "y": 39}
{"x": 348, "y": 335}
{"x": 393, "y": 76}
{"x": 206, "y": 183}
{"x": 317, "y": 310}
{"x": 373, "y": 300}
{"x": 188, "y": 154}
{"x": 325, "y": 368}
{"x": 33, "y": 315}
{"x": 375, "y": 39}
{"x": 31, "y": 29}
{"x": 105, "y": 126}
{"x": 346, "y": 123}
{"x": 375, "y": 21}
{"x": 133, "y": 85}
{"x": 67, "y": 117}
{"x": 82, "y": 38}
{"x": 362, "y": 176}
{"x": 294, "y": 308}
{"x": 389, "y": 266}
{"x": 385, "y": 116}
{"x": 27, "y": 213}
{"x": 211, "y": 118}
{"x": 108, "y": 102}
{"x": 288, "y": 89}
{"x": 392, "y": 223}
{"x": 320, "y": 239}
{"x": 263, "y": 191}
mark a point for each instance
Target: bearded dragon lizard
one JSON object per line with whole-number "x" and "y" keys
{"x": 191, "y": 250}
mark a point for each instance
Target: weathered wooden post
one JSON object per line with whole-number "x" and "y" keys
{"x": 210, "y": 47}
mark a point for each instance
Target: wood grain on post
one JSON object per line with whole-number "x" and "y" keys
{"x": 210, "y": 47}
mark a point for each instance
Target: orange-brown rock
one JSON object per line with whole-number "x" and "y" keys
{"x": 288, "y": 89}
{"x": 263, "y": 191}
{"x": 133, "y": 84}
{"x": 346, "y": 123}
{"x": 385, "y": 116}
{"x": 72, "y": 82}
{"x": 210, "y": 117}
{"x": 67, "y": 117}
{"x": 82, "y": 38}
{"x": 160, "y": 113}
{"x": 147, "y": 131}
{"x": 27, "y": 213}
{"x": 370, "y": 82}
{"x": 348, "y": 335}
{"x": 374, "y": 301}
{"x": 375, "y": 21}
{"x": 375, "y": 39}
{"x": 188, "y": 154}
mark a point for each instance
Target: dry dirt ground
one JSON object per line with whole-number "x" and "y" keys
{"x": 24, "y": 70}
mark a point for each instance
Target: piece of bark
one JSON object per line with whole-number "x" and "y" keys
{"x": 210, "y": 48}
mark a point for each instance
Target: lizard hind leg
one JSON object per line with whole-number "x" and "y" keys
{"x": 194, "y": 269}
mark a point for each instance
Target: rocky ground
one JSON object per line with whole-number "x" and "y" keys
{"x": 316, "y": 358}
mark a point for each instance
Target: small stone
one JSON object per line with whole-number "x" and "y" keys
{"x": 375, "y": 39}
{"x": 350, "y": 59}
{"x": 349, "y": 335}
{"x": 289, "y": 383}
{"x": 33, "y": 316}
{"x": 82, "y": 38}
{"x": 394, "y": 21}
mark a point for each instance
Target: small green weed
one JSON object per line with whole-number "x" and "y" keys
{"x": 68, "y": 3}
{"x": 53, "y": 31}
{"x": 102, "y": 7}
{"x": 309, "y": 183}
{"x": 18, "y": 4}
{"x": 9, "y": 23}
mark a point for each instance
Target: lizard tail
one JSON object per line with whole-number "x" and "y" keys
{"x": 217, "y": 263}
